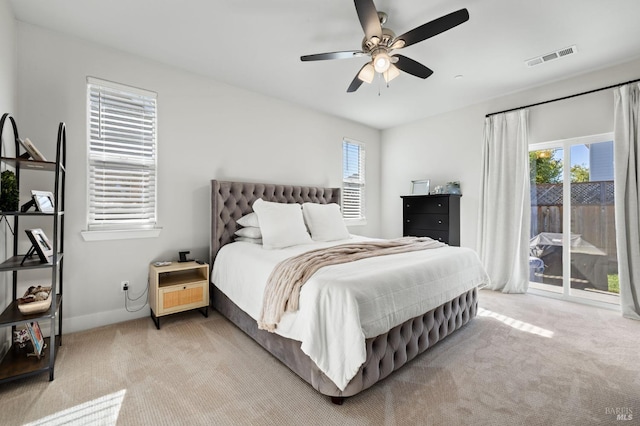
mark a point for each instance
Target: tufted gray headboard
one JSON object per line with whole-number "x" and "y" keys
{"x": 232, "y": 200}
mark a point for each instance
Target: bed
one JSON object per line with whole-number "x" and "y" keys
{"x": 384, "y": 352}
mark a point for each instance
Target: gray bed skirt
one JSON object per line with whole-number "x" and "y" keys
{"x": 385, "y": 353}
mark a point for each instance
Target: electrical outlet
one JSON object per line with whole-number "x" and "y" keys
{"x": 124, "y": 286}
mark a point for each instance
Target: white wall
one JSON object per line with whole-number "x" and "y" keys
{"x": 8, "y": 103}
{"x": 206, "y": 130}
{"x": 448, "y": 147}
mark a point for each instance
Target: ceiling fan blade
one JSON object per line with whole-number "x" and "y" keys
{"x": 356, "y": 83}
{"x": 333, "y": 55}
{"x": 434, "y": 27}
{"x": 412, "y": 67}
{"x": 369, "y": 20}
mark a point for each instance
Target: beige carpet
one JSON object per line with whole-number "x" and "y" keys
{"x": 524, "y": 360}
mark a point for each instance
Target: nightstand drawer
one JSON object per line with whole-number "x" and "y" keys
{"x": 182, "y": 297}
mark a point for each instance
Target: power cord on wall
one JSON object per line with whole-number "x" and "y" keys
{"x": 128, "y": 299}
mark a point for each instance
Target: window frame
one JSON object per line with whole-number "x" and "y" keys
{"x": 147, "y": 163}
{"x": 361, "y": 218}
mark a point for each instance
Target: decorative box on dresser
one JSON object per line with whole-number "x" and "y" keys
{"x": 435, "y": 216}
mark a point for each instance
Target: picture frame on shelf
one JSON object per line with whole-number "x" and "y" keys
{"x": 44, "y": 201}
{"x": 41, "y": 244}
{"x": 420, "y": 187}
{"x": 32, "y": 150}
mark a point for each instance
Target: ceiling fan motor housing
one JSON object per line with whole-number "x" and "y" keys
{"x": 388, "y": 36}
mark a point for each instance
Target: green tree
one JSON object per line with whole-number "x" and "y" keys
{"x": 579, "y": 173}
{"x": 544, "y": 168}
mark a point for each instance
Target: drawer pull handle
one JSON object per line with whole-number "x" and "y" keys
{"x": 440, "y": 222}
{"x": 439, "y": 204}
{"x": 408, "y": 220}
{"x": 408, "y": 205}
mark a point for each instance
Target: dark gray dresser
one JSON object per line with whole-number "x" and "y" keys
{"x": 435, "y": 216}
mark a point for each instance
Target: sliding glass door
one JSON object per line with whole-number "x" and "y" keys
{"x": 572, "y": 239}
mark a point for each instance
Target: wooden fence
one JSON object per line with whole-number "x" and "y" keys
{"x": 592, "y": 213}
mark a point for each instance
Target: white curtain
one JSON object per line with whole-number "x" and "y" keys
{"x": 627, "y": 195}
{"x": 505, "y": 203}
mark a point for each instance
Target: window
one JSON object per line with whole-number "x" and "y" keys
{"x": 121, "y": 123}
{"x": 353, "y": 180}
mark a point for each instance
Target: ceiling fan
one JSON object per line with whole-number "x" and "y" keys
{"x": 379, "y": 42}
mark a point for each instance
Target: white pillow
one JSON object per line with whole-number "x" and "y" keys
{"x": 249, "y": 240}
{"x": 250, "y": 219}
{"x": 281, "y": 224}
{"x": 249, "y": 232}
{"x": 325, "y": 222}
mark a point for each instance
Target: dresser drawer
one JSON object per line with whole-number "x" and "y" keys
{"x": 436, "y": 205}
{"x": 442, "y": 236}
{"x": 427, "y": 221}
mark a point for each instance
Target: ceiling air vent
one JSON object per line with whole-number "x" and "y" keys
{"x": 560, "y": 53}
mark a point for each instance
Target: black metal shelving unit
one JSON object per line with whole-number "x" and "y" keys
{"x": 15, "y": 365}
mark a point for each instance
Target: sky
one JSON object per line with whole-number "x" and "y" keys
{"x": 579, "y": 155}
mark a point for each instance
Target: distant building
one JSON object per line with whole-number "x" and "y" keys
{"x": 601, "y": 161}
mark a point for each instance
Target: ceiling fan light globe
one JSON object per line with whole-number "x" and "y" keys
{"x": 367, "y": 73}
{"x": 397, "y": 44}
{"x": 381, "y": 62}
{"x": 391, "y": 73}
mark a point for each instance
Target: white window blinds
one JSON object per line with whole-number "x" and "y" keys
{"x": 353, "y": 180}
{"x": 122, "y": 156}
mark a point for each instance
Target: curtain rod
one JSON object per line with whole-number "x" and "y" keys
{"x": 564, "y": 97}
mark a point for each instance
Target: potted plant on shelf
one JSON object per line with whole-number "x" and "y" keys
{"x": 9, "y": 196}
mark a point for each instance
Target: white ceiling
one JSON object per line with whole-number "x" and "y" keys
{"x": 257, "y": 44}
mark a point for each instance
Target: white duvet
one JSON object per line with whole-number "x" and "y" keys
{"x": 342, "y": 305}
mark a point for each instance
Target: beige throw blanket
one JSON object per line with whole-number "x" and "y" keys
{"x": 282, "y": 291}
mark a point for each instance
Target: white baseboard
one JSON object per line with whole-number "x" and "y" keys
{"x": 99, "y": 319}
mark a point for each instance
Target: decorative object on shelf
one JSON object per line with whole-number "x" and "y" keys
{"x": 40, "y": 245}
{"x": 439, "y": 189}
{"x": 35, "y": 300}
{"x": 9, "y": 195}
{"x": 21, "y": 341}
{"x": 420, "y": 187}
{"x": 453, "y": 188}
{"x": 32, "y": 150}
{"x": 36, "y": 338}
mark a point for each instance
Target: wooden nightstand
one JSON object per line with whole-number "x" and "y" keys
{"x": 178, "y": 287}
